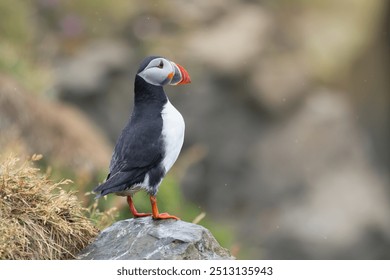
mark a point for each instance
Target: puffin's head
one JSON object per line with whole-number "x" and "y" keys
{"x": 159, "y": 71}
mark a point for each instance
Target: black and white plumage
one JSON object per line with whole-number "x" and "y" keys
{"x": 152, "y": 139}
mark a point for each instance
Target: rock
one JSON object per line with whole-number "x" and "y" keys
{"x": 89, "y": 73}
{"x": 279, "y": 82}
{"x": 145, "y": 238}
{"x": 245, "y": 29}
{"x": 96, "y": 80}
{"x": 313, "y": 183}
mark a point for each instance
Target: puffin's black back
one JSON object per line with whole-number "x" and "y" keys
{"x": 139, "y": 149}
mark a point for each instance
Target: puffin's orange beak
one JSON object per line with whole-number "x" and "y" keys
{"x": 185, "y": 77}
{"x": 180, "y": 76}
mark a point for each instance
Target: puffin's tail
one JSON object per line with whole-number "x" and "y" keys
{"x": 116, "y": 183}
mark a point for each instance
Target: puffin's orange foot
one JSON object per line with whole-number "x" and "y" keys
{"x": 134, "y": 211}
{"x": 139, "y": 215}
{"x": 161, "y": 216}
{"x": 156, "y": 214}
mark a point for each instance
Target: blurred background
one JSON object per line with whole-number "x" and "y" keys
{"x": 287, "y": 117}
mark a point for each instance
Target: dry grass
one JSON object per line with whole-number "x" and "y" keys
{"x": 38, "y": 219}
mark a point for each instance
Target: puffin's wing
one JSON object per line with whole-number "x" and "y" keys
{"x": 140, "y": 145}
{"x": 138, "y": 149}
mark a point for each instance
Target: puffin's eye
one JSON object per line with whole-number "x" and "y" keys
{"x": 161, "y": 65}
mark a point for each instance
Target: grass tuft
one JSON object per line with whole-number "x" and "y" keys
{"x": 38, "y": 219}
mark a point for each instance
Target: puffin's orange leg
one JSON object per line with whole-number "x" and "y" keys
{"x": 156, "y": 214}
{"x": 134, "y": 211}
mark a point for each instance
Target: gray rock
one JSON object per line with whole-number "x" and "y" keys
{"x": 90, "y": 72}
{"x": 227, "y": 37}
{"x": 145, "y": 238}
{"x": 96, "y": 80}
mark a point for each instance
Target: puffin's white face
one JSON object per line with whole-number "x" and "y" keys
{"x": 160, "y": 72}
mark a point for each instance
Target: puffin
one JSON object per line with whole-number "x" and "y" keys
{"x": 152, "y": 139}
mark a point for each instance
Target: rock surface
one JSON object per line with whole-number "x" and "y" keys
{"x": 144, "y": 238}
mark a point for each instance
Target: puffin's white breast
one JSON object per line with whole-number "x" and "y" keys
{"x": 172, "y": 133}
